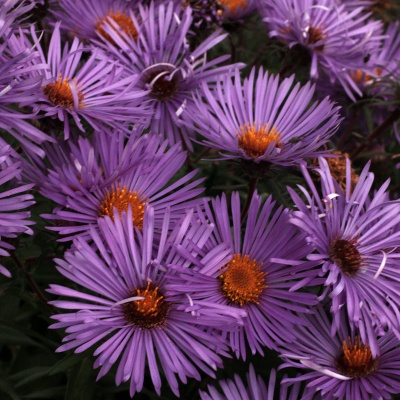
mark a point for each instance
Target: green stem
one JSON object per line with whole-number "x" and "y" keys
{"x": 31, "y": 281}
{"x": 393, "y": 117}
{"x": 251, "y": 188}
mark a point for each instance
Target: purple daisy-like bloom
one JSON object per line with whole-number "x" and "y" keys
{"x": 10, "y": 11}
{"x": 85, "y": 19}
{"x": 385, "y": 65}
{"x": 126, "y": 302}
{"x": 337, "y": 38}
{"x": 343, "y": 366}
{"x": 13, "y": 199}
{"x": 265, "y": 120}
{"x": 96, "y": 90}
{"x": 356, "y": 243}
{"x": 257, "y": 273}
{"x": 113, "y": 172}
{"x": 18, "y": 61}
{"x": 255, "y": 390}
{"x": 170, "y": 71}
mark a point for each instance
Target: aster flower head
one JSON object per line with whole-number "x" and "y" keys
{"x": 113, "y": 173}
{"x": 13, "y": 201}
{"x": 337, "y": 38}
{"x": 356, "y": 238}
{"x": 255, "y": 273}
{"x": 19, "y": 85}
{"x": 342, "y": 365}
{"x": 125, "y": 308}
{"x": 383, "y": 74}
{"x": 10, "y": 12}
{"x": 96, "y": 90}
{"x": 263, "y": 120}
{"x": 170, "y": 71}
{"x": 86, "y": 19}
{"x": 255, "y": 390}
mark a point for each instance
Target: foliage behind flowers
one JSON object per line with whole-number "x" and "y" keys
{"x": 199, "y": 199}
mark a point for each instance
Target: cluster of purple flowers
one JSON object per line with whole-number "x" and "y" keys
{"x": 107, "y": 106}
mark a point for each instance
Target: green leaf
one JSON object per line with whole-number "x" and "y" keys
{"x": 51, "y": 393}
{"x": 29, "y": 375}
{"x": 9, "y": 335}
{"x": 66, "y": 363}
{"x": 7, "y": 389}
{"x": 80, "y": 382}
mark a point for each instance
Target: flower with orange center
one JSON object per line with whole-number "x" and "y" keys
{"x": 234, "y": 5}
{"x": 60, "y": 93}
{"x": 255, "y": 139}
{"x": 338, "y": 167}
{"x": 123, "y": 21}
{"x": 150, "y": 312}
{"x": 121, "y": 199}
{"x": 343, "y": 369}
{"x": 243, "y": 281}
{"x": 356, "y": 359}
{"x": 264, "y": 118}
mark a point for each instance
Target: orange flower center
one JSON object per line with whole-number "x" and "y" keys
{"x": 356, "y": 360}
{"x": 150, "y": 312}
{"x": 60, "y": 93}
{"x": 242, "y": 282}
{"x": 121, "y": 199}
{"x": 123, "y": 21}
{"x": 234, "y": 5}
{"x": 255, "y": 139}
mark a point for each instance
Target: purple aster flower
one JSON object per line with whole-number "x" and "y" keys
{"x": 247, "y": 277}
{"x": 18, "y": 61}
{"x": 343, "y": 365}
{"x": 338, "y": 39}
{"x": 170, "y": 71}
{"x": 13, "y": 200}
{"x": 85, "y": 19}
{"x": 91, "y": 180}
{"x": 125, "y": 308}
{"x": 383, "y": 74}
{"x": 255, "y": 390}
{"x": 10, "y": 11}
{"x": 356, "y": 241}
{"x": 95, "y": 90}
{"x": 263, "y": 120}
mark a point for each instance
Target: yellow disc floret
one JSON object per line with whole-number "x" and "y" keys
{"x": 254, "y": 139}
{"x": 242, "y": 281}
{"x": 120, "y": 199}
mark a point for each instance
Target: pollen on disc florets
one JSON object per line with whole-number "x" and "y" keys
{"x": 60, "y": 93}
{"x": 121, "y": 199}
{"x": 356, "y": 359}
{"x": 234, "y": 5}
{"x": 254, "y": 139}
{"x": 123, "y": 21}
{"x": 151, "y": 311}
{"x": 242, "y": 281}
{"x": 338, "y": 169}
{"x": 346, "y": 255}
